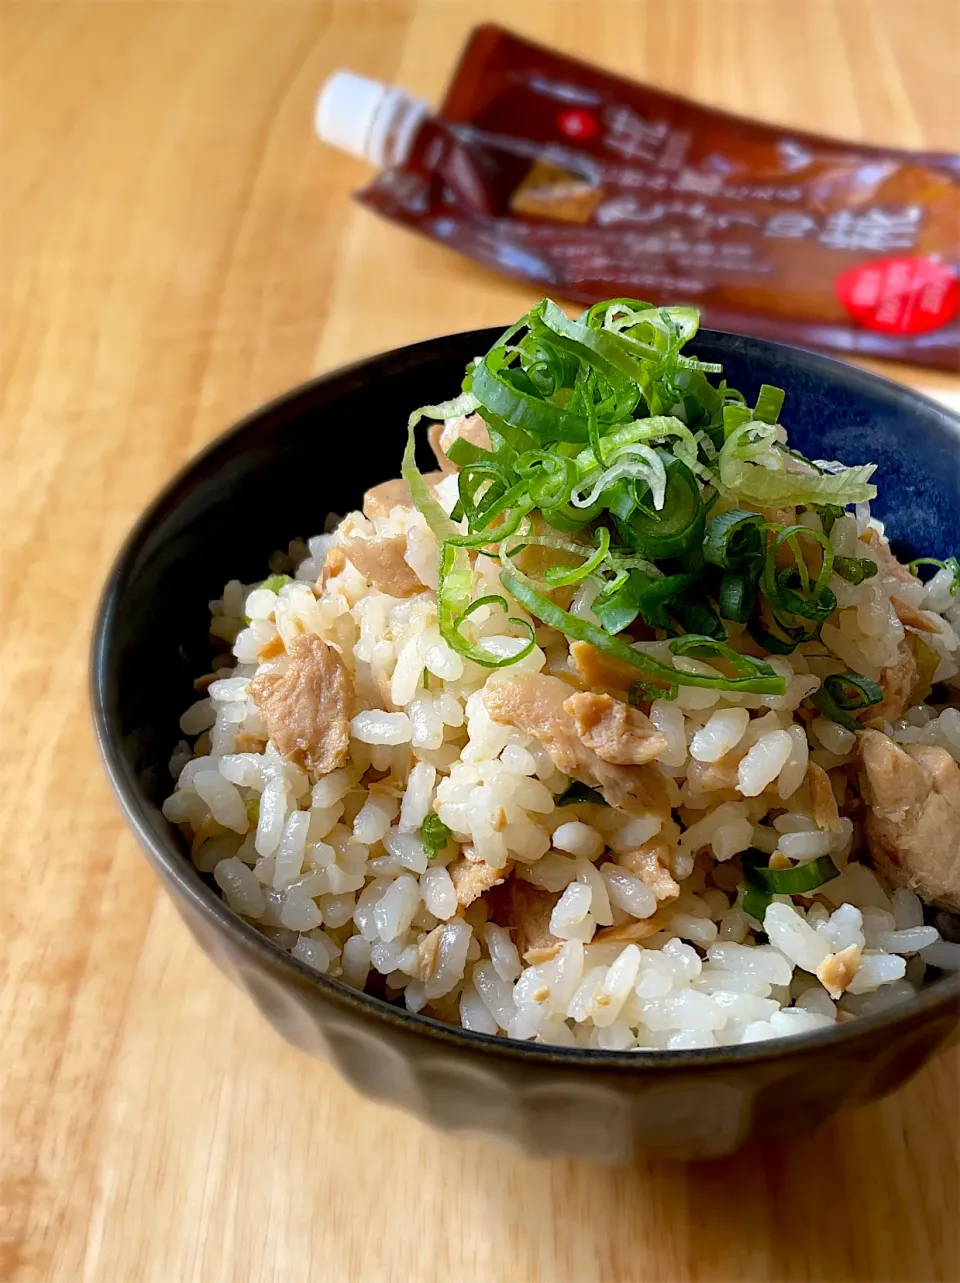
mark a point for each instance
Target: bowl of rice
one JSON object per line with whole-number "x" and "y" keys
{"x": 558, "y": 729}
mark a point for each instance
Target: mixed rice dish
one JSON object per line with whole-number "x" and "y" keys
{"x": 622, "y": 729}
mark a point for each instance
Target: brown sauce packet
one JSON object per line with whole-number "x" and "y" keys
{"x": 591, "y": 187}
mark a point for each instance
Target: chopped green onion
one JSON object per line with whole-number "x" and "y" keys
{"x": 784, "y": 592}
{"x": 476, "y": 653}
{"x": 763, "y": 883}
{"x": 785, "y": 640}
{"x": 751, "y": 467}
{"x": 434, "y": 835}
{"x": 604, "y": 352}
{"x": 789, "y": 591}
{"x": 558, "y": 576}
{"x": 579, "y": 793}
{"x": 735, "y": 417}
{"x": 455, "y": 575}
{"x": 659, "y": 430}
{"x": 274, "y": 583}
{"x": 593, "y": 423}
{"x": 540, "y": 419}
{"x": 601, "y": 424}
{"x": 440, "y": 524}
{"x": 769, "y": 404}
{"x": 677, "y": 527}
{"x": 619, "y": 604}
{"x": 753, "y": 674}
{"x": 462, "y": 452}
{"x": 854, "y": 569}
{"x": 755, "y": 903}
{"x": 794, "y": 881}
{"x": 504, "y": 436}
{"x": 734, "y": 538}
{"x": 951, "y": 564}
{"x": 552, "y": 479}
{"x": 636, "y": 462}
{"x": 844, "y": 693}
{"x": 460, "y": 406}
{"x": 737, "y": 596}
{"x": 829, "y": 514}
{"x": 658, "y": 600}
{"x": 746, "y": 667}
{"x": 698, "y": 617}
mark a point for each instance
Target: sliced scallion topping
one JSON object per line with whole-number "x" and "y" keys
{"x": 829, "y": 514}
{"x": 479, "y": 654}
{"x": 951, "y": 564}
{"x": 579, "y": 793}
{"x": 753, "y": 674}
{"x": 737, "y": 596}
{"x": 604, "y": 431}
{"x": 763, "y": 883}
{"x": 755, "y": 903}
{"x": 462, "y": 452}
{"x": 558, "y": 577}
{"x": 749, "y": 468}
{"x": 674, "y": 529}
{"x": 854, "y": 569}
{"x": 843, "y": 694}
{"x": 734, "y": 538}
{"x": 790, "y": 592}
{"x": 434, "y": 835}
{"x": 769, "y": 404}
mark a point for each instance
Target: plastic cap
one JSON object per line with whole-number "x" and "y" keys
{"x": 358, "y": 115}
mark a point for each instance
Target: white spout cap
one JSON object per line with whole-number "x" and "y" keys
{"x": 367, "y": 118}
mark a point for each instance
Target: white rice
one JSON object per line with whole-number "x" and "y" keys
{"x": 334, "y": 871}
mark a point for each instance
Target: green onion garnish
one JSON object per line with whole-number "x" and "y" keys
{"x": 734, "y": 539}
{"x": 842, "y": 694}
{"x": 578, "y": 792}
{"x": 755, "y": 903}
{"x": 647, "y": 471}
{"x": 951, "y": 564}
{"x": 556, "y": 576}
{"x": 737, "y": 596}
{"x": 829, "y": 514}
{"x": 674, "y": 528}
{"x": 749, "y": 469}
{"x": 754, "y": 675}
{"x": 798, "y": 605}
{"x": 462, "y": 452}
{"x": 796, "y": 881}
{"x": 654, "y": 598}
{"x": 274, "y": 583}
{"x": 854, "y": 569}
{"x": 769, "y": 404}
{"x": 763, "y": 883}
{"x": 434, "y": 835}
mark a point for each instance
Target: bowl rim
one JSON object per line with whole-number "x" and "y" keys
{"x": 169, "y": 860}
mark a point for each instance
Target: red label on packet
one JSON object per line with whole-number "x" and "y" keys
{"x": 577, "y": 124}
{"x": 905, "y": 295}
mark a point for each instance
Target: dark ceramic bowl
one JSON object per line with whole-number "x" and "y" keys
{"x": 275, "y": 476}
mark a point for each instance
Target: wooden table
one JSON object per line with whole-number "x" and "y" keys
{"x": 177, "y": 249}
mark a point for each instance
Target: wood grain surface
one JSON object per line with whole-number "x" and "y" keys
{"x": 176, "y": 249}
